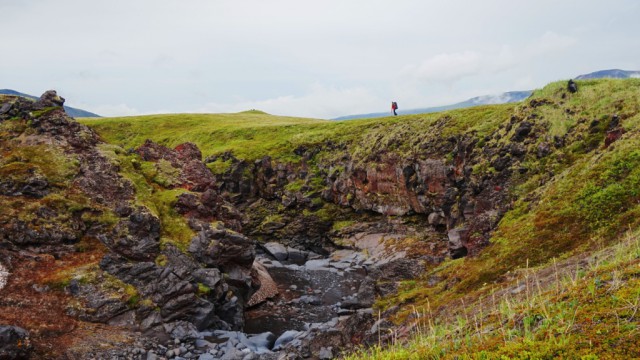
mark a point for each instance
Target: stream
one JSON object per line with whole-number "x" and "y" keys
{"x": 313, "y": 295}
{"x": 309, "y": 293}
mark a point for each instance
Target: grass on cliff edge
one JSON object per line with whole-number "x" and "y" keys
{"x": 252, "y": 135}
{"x": 583, "y": 308}
{"x": 589, "y": 200}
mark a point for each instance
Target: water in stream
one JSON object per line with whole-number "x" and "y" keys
{"x": 311, "y": 296}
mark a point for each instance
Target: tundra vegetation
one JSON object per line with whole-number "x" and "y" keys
{"x": 553, "y": 274}
{"x": 558, "y": 278}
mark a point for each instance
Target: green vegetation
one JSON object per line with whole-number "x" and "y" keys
{"x": 574, "y": 198}
{"x": 49, "y": 161}
{"x": 587, "y": 311}
{"x": 251, "y": 136}
{"x": 153, "y": 184}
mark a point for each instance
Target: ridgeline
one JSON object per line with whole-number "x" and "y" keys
{"x": 494, "y": 230}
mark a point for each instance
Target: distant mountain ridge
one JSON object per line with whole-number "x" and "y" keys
{"x": 73, "y": 112}
{"x": 612, "y": 74}
{"x": 504, "y": 98}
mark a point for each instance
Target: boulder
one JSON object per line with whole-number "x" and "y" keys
{"x": 222, "y": 248}
{"x": 48, "y": 99}
{"x": 268, "y": 287}
{"x": 14, "y": 343}
{"x": 296, "y": 256}
{"x": 277, "y": 250}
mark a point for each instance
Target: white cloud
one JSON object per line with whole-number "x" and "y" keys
{"x": 446, "y": 66}
{"x": 320, "y": 102}
{"x": 179, "y": 55}
{"x": 549, "y": 42}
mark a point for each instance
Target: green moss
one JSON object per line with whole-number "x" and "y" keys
{"x": 161, "y": 260}
{"x": 166, "y": 175}
{"x": 295, "y": 185}
{"x": 203, "y": 290}
{"x": 133, "y": 297}
{"x": 51, "y": 162}
{"x": 175, "y": 229}
{"x": 219, "y": 166}
{"x": 339, "y": 225}
{"x": 149, "y": 181}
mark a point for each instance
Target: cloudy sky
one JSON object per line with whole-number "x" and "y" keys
{"x": 306, "y": 58}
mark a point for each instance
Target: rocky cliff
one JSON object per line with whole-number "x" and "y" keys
{"x": 69, "y": 208}
{"x": 168, "y": 238}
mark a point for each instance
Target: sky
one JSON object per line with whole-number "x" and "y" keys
{"x": 320, "y": 59}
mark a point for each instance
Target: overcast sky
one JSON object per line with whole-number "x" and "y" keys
{"x": 305, "y": 58}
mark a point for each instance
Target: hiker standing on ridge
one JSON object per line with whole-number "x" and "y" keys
{"x": 394, "y": 107}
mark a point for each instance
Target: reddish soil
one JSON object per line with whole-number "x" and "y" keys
{"x": 53, "y": 333}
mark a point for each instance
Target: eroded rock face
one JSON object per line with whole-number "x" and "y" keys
{"x": 193, "y": 174}
{"x": 445, "y": 191}
{"x": 83, "y": 195}
{"x": 50, "y": 98}
{"x": 173, "y": 288}
{"x": 14, "y": 343}
{"x": 136, "y": 236}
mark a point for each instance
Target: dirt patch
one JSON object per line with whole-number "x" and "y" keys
{"x": 33, "y": 298}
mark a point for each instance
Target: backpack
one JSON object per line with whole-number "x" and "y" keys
{"x": 394, "y": 105}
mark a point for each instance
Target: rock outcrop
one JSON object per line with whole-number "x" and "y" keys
{"x": 61, "y": 186}
{"x": 14, "y": 343}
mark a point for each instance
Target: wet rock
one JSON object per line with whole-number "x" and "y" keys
{"x": 317, "y": 264}
{"x": 297, "y": 256}
{"x": 277, "y": 250}
{"x": 286, "y": 338}
{"x": 365, "y": 296}
{"x": 14, "y": 343}
{"x": 308, "y": 299}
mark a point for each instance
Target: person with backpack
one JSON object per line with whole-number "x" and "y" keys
{"x": 394, "y": 107}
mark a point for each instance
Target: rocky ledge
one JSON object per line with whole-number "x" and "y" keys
{"x": 103, "y": 252}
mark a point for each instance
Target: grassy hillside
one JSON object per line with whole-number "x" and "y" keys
{"x": 559, "y": 276}
{"x": 585, "y": 307}
{"x": 251, "y": 135}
